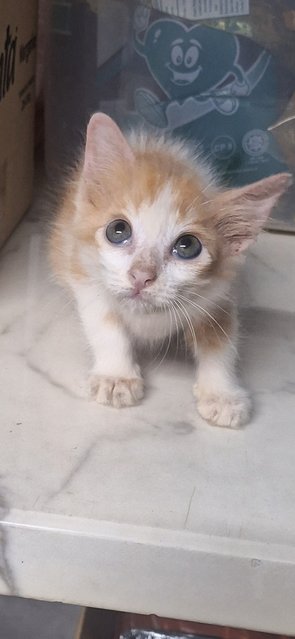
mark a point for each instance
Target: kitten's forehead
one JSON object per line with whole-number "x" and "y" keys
{"x": 157, "y": 217}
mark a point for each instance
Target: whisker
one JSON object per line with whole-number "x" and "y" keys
{"x": 154, "y": 360}
{"x": 169, "y": 340}
{"x": 189, "y": 322}
{"x": 192, "y": 331}
{"x": 196, "y": 200}
{"x": 176, "y": 325}
{"x": 178, "y": 311}
{"x": 168, "y": 305}
{"x": 203, "y": 310}
{"x": 202, "y": 297}
{"x": 207, "y": 319}
{"x": 209, "y": 185}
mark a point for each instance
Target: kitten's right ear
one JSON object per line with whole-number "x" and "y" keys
{"x": 105, "y": 147}
{"x": 243, "y": 211}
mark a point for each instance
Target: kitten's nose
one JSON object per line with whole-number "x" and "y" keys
{"x": 141, "y": 279}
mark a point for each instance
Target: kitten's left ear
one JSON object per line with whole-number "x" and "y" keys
{"x": 105, "y": 147}
{"x": 242, "y": 212}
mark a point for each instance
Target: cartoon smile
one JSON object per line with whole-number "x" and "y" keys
{"x": 184, "y": 77}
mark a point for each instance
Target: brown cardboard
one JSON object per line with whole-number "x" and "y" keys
{"x": 18, "y": 24}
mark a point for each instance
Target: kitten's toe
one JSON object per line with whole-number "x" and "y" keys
{"x": 117, "y": 392}
{"x": 229, "y": 410}
{"x": 127, "y": 392}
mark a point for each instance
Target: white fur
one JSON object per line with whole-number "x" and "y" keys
{"x": 115, "y": 376}
{"x": 220, "y": 399}
{"x": 114, "y": 312}
{"x": 110, "y": 344}
{"x": 153, "y": 222}
{"x": 114, "y": 320}
{"x": 156, "y": 227}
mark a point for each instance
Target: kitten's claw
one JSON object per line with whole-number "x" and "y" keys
{"x": 116, "y": 391}
{"x": 230, "y": 410}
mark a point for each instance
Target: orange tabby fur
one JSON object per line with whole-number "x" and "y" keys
{"x": 141, "y": 290}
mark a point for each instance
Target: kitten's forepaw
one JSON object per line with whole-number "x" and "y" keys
{"x": 116, "y": 391}
{"x": 229, "y": 410}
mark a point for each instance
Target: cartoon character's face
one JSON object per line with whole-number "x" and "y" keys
{"x": 187, "y": 61}
{"x": 184, "y": 61}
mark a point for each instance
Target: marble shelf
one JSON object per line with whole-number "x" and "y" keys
{"x": 147, "y": 509}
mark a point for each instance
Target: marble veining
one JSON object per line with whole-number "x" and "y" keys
{"x": 91, "y": 496}
{"x": 7, "y": 579}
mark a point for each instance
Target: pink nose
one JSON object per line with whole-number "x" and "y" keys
{"x": 141, "y": 279}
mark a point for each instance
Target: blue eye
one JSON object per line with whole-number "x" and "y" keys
{"x": 187, "y": 247}
{"x": 118, "y": 231}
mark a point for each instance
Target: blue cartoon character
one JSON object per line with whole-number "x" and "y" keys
{"x": 210, "y": 85}
{"x": 197, "y": 68}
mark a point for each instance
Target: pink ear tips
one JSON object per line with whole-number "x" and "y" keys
{"x": 105, "y": 148}
{"x": 285, "y": 180}
{"x": 99, "y": 120}
{"x": 289, "y": 179}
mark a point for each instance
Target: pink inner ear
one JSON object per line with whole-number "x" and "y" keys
{"x": 105, "y": 146}
{"x": 245, "y": 210}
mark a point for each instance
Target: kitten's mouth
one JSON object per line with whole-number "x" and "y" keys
{"x": 135, "y": 294}
{"x": 143, "y": 302}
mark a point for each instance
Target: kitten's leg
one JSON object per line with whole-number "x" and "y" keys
{"x": 220, "y": 398}
{"x": 115, "y": 378}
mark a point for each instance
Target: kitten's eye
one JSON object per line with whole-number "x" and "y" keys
{"x": 118, "y": 231}
{"x": 187, "y": 247}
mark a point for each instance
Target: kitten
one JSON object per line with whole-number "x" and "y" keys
{"x": 149, "y": 246}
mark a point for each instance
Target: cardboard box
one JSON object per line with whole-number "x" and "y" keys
{"x": 18, "y": 29}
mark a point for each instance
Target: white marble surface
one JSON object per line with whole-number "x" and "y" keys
{"x": 148, "y": 509}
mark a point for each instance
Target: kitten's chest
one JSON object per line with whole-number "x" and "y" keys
{"x": 149, "y": 327}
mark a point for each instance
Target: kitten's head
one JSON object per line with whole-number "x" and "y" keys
{"x": 157, "y": 225}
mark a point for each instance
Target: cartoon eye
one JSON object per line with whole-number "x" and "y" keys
{"x": 187, "y": 247}
{"x": 177, "y": 55}
{"x": 118, "y": 231}
{"x": 191, "y": 57}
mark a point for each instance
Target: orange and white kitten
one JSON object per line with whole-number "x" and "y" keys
{"x": 149, "y": 246}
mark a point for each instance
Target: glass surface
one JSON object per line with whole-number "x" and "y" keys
{"x": 221, "y": 74}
